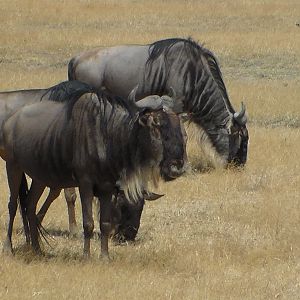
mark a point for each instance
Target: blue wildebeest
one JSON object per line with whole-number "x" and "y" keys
{"x": 97, "y": 142}
{"x": 191, "y": 70}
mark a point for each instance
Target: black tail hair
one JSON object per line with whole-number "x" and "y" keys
{"x": 23, "y": 192}
{"x": 71, "y": 69}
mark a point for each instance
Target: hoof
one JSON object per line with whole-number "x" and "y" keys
{"x": 7, "y": 249}
{"x": 86, "y": 256}
{"x": 38, "y": 252}
{"x": 106, "y": 259}
{"x": 74, "y": 232}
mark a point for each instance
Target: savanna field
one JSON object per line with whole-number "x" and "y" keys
{"x": 217, "y": 234}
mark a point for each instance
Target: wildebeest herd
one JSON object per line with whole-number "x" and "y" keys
{"x": 114, "y": 127}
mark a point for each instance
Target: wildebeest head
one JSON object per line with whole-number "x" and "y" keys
{"x": 238, "y": 138}
{"x": 126, "y": 215}
{"x": 163, "y": 134}
{"x": 230, "y": 138}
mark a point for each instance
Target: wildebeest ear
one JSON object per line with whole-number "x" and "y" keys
{"x": 131, "y": 96}
{"x": 176, "y": 105}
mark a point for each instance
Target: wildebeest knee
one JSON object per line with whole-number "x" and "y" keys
{"x": 105, "y": 227}
{"x": 88, "y": 228}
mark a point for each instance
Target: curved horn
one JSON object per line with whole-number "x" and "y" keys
{"x": 131, "y": 96}
{"x": 152, "y": 102}
{"x": 240, "y": 117}
{"x": 172, "y": 93}
{"x": 149, "y": 196}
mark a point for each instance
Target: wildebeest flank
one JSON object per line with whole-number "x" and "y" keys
{"x": 97, "y": 142}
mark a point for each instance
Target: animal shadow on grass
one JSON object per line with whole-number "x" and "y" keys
{"x": 24, "y": 253}
{"x": 50, "y": 239}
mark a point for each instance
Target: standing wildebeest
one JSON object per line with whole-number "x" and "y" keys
{"x": 97, "y": 142}
{"x": 179, "y": 64}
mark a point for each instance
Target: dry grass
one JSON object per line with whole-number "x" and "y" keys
{"x": 222, "y": 234}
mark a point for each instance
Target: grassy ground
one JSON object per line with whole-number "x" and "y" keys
{"x": 222, "y": 234}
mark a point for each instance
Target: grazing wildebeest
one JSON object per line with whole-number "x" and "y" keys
{"x": 97, "y": 142}
{"x": 191, "y": 70}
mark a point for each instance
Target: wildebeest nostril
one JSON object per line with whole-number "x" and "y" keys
{"x": 180, "y": 163}
{"x": 177, "y": 163}
{"x": 174, "y": 168}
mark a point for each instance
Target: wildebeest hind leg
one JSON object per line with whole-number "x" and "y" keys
{"x": 70, "y": 196}
{"x": 23, "y": 191}
{"x": 53, "y": 194}
{"x": 33, "y": 197}
{"x": 14, "y": 177}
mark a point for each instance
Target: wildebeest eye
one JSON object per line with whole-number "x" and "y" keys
{"x": 146, "y": 120}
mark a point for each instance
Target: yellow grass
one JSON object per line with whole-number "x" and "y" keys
{"x": 221, "y": 234}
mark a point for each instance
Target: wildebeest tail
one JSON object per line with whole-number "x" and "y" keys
{"x": 71, "y": 69}
{"x": 23, "y": 192}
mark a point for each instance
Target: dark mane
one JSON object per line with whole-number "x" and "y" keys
{"x": 217, "y": 75}
{"x": 66, "y": 91}
{"x": 193, "y": 51}
{"x": 198, "y": 60}
{"x": 70, "y": 91}
{"x": 164, "y": 46}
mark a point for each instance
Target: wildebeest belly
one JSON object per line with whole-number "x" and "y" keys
{"x": 47, "y": 163}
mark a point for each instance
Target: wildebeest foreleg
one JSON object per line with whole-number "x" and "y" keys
{"x": 70, "y": 196}
{"x": 86, "y": 197}
{"x": 105, "y": 222}
{"x": 33, "y": 197}
{"x": 14, "y": 177}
